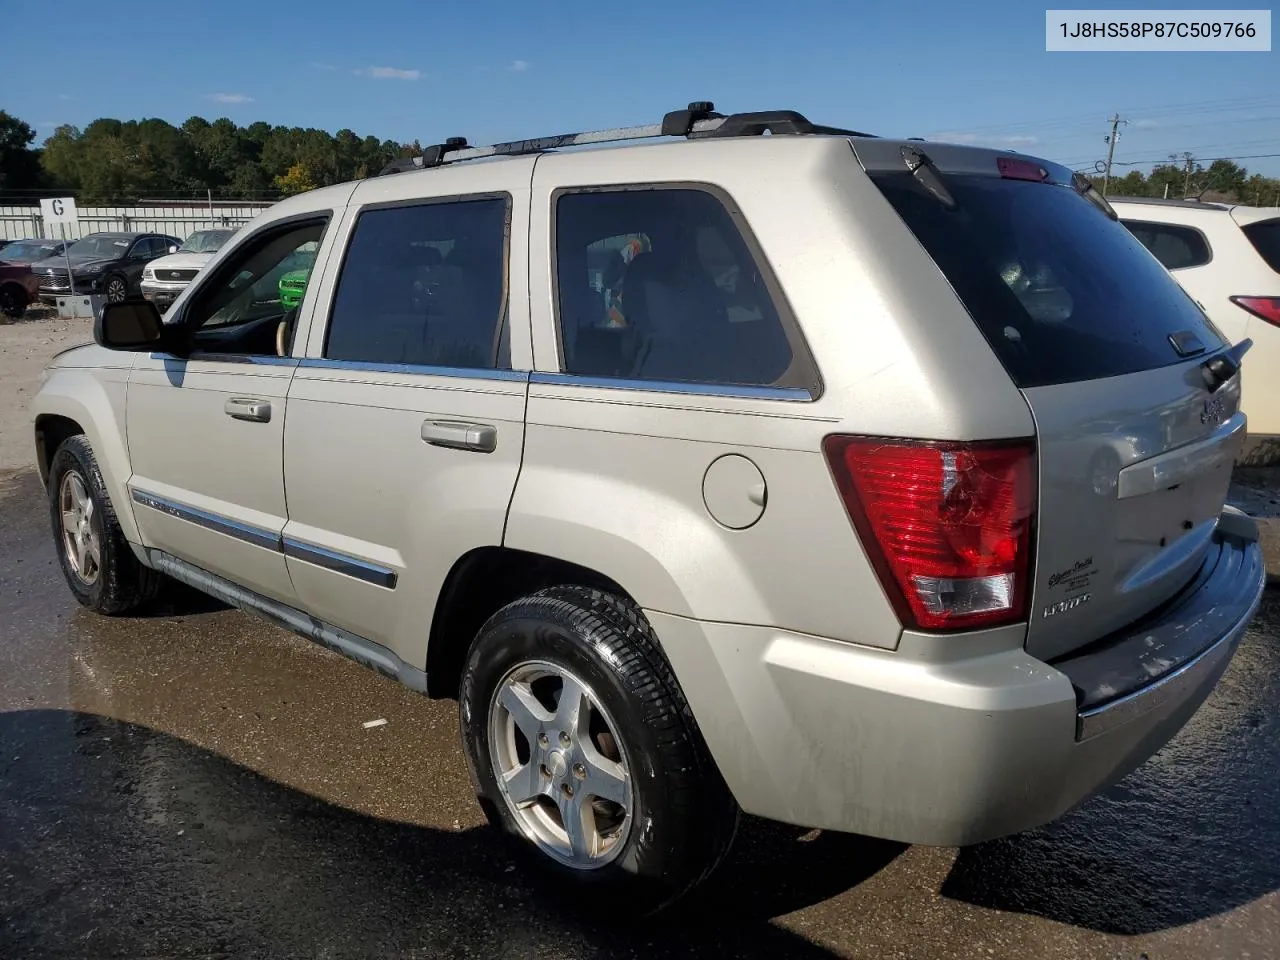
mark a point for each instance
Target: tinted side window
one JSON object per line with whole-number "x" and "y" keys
{"x": 1265, "y": 237}
{"x": 1175, "y": 247}
{"x": 659, "y": 284}
{"x": 423, "y": 285}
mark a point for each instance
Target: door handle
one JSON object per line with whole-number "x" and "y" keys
{"x": 257, "y": 411}
{"x": 460, "y": 435}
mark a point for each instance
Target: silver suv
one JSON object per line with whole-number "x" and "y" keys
{"x": 863, "y": 484}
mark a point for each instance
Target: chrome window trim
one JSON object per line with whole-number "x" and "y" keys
{"x": 344, "y": 563}
{"x": 211, "y": 521}
{"x": 413, "y": 369}
{"x": 261, "y": 360}
{"x": 692, "y": 388}
{"x": 334, "y": 560}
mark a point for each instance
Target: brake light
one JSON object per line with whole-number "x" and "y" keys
{"x": 947, "y": 526}
{"x": 1268, "y": 308}
{"x": 1012, "y": 168}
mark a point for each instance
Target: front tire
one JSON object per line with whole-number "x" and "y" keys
{"x": 583, "y": 749}
{"x": 13, "y": 301}
{"x": 96, "y": 560}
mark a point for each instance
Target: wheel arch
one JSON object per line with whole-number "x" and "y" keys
{"x": 70, "y": 404}
{"x": 482, "y": 582}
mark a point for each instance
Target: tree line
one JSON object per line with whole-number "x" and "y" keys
{"x": 124, "y": 161}
{"x": 1183, "y": 176}
{"x": 129, "y": 160}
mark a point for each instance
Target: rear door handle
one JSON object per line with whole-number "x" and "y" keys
{"x": 257, "y": 411}
{"x": 461, "y": 435}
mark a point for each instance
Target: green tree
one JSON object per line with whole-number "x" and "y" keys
{"x": 19, "y": 163}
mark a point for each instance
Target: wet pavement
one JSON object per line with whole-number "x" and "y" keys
{"x": 200, "y": 783}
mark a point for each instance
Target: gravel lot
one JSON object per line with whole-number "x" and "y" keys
{"x": 25, "y": 347}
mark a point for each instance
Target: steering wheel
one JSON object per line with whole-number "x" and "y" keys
{"x": 284, "y": 333}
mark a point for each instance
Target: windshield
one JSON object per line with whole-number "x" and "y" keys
{"x": 1062, "y": 292}
{"x": 24, "y": 252}
{"x": 102, "y": 247}
{"x": 1264, "y": 235}
{"x": 205, "y": 241}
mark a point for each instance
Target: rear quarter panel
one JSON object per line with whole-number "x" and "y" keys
{"x": 613, "y": 478}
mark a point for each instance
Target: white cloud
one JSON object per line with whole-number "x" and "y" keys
{"x": 323, "y": 66}
{"x": 976, "y": 139}
{"x": 389, "y": 73}
{"x": 230, "y": 98}
{"x": 65, "y": 96}
{"x": 518, "y": 66}
{"x": 1144, "y": 124}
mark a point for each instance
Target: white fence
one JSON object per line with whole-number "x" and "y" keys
{"x": 176, "y": 219}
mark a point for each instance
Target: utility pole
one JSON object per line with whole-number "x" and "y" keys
{"x": 1111, "y": 149}
{"x": 1186, "y": 184}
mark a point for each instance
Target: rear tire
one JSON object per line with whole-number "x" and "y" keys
{"x": 663, "y": 817}
{"x": 99, "y": 565}
{"x": 116, "y": 289}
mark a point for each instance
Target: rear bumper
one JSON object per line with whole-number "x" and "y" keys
{"x": 1166, "y": 654}
{"x": 953, "y": 740}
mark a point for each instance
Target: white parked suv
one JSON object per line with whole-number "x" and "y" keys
{"x": 868, "y": 485}
{"x": 1227, "y": 256}
{"x": 165, "y": 278}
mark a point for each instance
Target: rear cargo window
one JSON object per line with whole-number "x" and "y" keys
{"x": 1061, "y": 292}
{"x": 1265, "y": 237}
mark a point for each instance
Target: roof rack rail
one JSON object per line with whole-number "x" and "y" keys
{"x": 697, "y": 121}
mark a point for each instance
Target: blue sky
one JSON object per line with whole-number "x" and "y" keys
{"x": 504, "y": 70}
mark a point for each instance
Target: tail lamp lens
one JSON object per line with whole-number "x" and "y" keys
{"x": 948, "y": 526}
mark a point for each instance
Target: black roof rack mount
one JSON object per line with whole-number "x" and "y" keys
{"x": 696, "y": 121}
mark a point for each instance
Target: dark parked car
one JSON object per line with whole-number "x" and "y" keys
{"x": 106, "y": 263}
{"x": 18, "y": 285}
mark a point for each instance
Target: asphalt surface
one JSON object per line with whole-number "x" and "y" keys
{"x": 199, "y": 783}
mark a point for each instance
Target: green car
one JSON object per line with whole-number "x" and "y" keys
{"x": 292, "y": 286}
{"x": 293, "y": 282}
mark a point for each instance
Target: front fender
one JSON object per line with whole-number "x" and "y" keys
{"x": 93, "y": 399}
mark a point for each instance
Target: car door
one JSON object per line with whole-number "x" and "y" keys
{"x": 206, "y": 431}
{"x": 140, "y": 254}
{"x": 406, "y": 414}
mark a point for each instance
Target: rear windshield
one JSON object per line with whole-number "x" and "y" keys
{"x": 1061, "y": 292}
{"x": 1265, "y": 237}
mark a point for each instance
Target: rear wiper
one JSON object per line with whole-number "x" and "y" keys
{"x": 1221, "y": 367}
{"x": 926, "y": 173}
{"x": 1090, "y": 193}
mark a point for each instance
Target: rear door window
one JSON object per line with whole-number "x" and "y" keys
{"x": 1061, "y": 292}
{"x": 1175, "y": 247}
{"x": 1265, "y": 237}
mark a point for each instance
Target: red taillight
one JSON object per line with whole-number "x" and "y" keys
{"x": 1268, "y": 308}
{"x": 1012, "y": 168}
{"x": 947, "y": 525}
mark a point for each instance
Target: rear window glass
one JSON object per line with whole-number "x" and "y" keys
{"x": 1265, "y": 237}
{"x": 1061, "y": 292}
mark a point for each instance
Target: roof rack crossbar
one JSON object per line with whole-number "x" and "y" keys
{"x": 698, "y": 120}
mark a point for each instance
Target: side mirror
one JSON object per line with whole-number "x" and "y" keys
{"x": 173, "y": 248}
{"x": 133, "y": 325}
